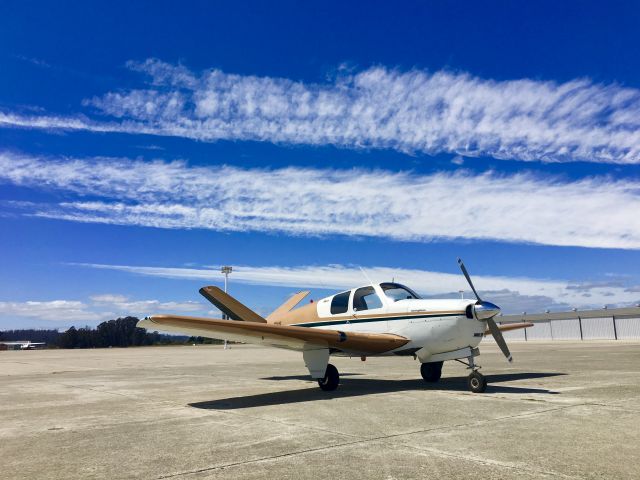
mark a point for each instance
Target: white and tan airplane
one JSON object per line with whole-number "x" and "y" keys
{"x": 381, "y": 319}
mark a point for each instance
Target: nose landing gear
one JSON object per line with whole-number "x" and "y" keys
{"x": 476, "y": 382}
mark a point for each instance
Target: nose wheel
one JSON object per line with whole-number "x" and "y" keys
{"x": 477, "y": 382}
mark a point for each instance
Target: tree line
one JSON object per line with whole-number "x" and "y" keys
{"x": 121, "y": 332}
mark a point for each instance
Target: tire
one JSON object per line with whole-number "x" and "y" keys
{"x": 431, "y": 372}
{"x": 477, "y": 383}
{"x": 331, "y": 379}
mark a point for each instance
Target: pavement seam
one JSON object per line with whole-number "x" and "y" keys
{"x": 262, "y": 459}
{"x": 383, "y": 438}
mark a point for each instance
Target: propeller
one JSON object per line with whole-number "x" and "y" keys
{"x": 485, "y": 311}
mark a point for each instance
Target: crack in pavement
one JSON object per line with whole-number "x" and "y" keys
{"x": 393, "y": 436}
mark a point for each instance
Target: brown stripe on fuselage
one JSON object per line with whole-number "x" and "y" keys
{"x": 387, "y": 315}
{"x": 309, "y": 314}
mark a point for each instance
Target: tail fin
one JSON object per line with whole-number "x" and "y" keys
{"x": 287, "y": 306}
{"x": 230, "y": 306}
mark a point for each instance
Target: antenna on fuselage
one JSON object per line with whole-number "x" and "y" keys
{"x": 365, "y": 275}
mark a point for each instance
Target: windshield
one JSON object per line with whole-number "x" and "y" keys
{"x": 395, "y": 291}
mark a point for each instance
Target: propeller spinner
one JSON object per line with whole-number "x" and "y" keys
{"x": 485, "y": 311}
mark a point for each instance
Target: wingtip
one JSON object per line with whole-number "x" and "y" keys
{"x": 145, "y": 322}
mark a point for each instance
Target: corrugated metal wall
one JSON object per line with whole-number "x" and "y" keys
{"x": 592, "y": 329}
{"x": 565, "y": 329}
{"x": 598, "y": 328}
{"x": 539, "y": 331}
{"x": 628, "y": 328}
{"x": 517, "y": 335}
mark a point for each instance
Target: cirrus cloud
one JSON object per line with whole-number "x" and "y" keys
{"x": 591, "y": 212}
{"x": 410, "y": 111}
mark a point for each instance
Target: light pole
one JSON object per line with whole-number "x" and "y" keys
{"x": 226, "y": 270}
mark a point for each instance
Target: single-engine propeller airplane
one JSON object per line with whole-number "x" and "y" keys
{"x": 380, "y": 319}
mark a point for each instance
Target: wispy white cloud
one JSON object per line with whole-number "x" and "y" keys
{"x": 58, "y": 122}
{"x": 96, "y": 309}
{"x": 513, "y": 294}
{"x": 55, "y": 310}
{"x": 410, "y": 111}
{"x": 592, "y": 212}
{"x": 123, "y": 305}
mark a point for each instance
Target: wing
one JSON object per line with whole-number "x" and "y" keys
{"x": 282, "y": 336}
{"x": 543, "y": 317}
{"x": 510, "y": 326}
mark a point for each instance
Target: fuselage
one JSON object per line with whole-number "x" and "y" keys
{"x": 432, "y": 326}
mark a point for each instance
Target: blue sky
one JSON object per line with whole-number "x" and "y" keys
{"x": 143, "y": 146}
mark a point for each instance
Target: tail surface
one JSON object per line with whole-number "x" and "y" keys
{"x": 287, "y": 306}
{"x": 230, "y": 306}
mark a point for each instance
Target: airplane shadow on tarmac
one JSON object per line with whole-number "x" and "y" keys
{"x": 354, "y": 387}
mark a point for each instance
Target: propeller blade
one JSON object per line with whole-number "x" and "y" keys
{"x": 466, "y": 275}
{"x": 485, "y": 311}
{"x": 497, "y": 335}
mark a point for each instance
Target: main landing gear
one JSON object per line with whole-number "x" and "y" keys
{"x": 431, "y": 371}
{"x": 331, "y": 379}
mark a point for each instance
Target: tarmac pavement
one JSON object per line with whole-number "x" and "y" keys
{"x": 562, "y": 409}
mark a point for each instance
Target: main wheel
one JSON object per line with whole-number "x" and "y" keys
{"x": 476, "y": 382}
{"x": 331, "y": 379}
{"x": 432, "y": 371}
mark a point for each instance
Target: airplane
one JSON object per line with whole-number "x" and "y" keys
{"x": 24, "y": 345}
{"x": 379, "y": 319}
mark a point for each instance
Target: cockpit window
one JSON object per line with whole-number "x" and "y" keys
{"x": 366, "y": 298}
{"x": 395, "y": 291}
{"x": 340, "y": 303}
